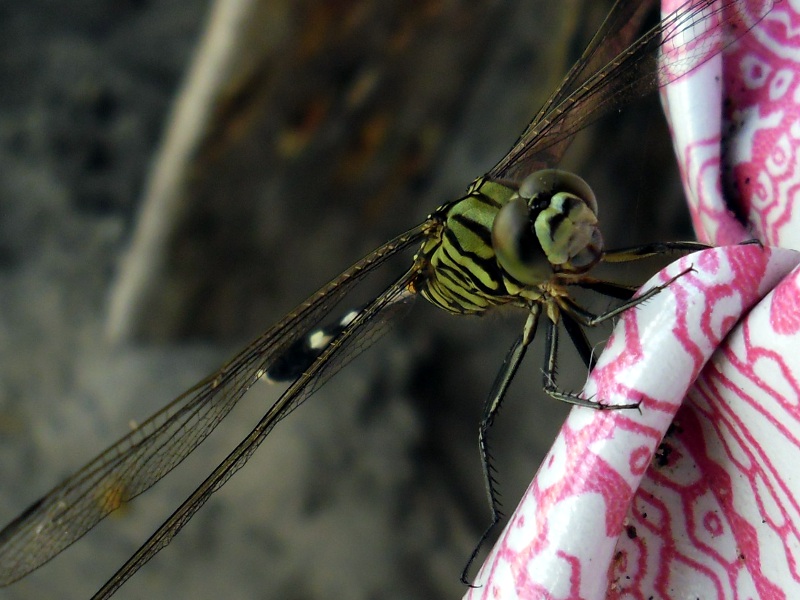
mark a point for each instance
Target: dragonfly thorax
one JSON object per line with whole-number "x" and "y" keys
{"x": 500, "y": 245}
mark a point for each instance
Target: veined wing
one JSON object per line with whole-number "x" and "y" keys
{"x": 601, "y": 81}
{"x": 359, "y": 334}
{"x": 159, "y": 444}
{"x": 615, "y": 35}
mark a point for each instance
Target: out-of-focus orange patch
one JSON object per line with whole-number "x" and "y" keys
{"x": 368, "y": 141}
{"x": 327, "y": 21}
{"x": 297, "y": 135}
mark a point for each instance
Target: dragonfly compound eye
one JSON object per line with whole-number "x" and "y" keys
{"x": 564, "y": 213}
{"x": 515, "y": 244}
{"x": 548, "y": 182}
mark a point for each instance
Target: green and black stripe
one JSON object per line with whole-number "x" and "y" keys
{"x": 463, "y": 276}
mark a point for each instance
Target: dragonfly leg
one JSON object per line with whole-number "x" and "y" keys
{"x": 620, "y": 291}
{"x": 490, "y": 409}
{"x": 549, "y": 377}
{"x": 574, "y": 316}
{"x": 654, "y": 249}
{"x": 579, "y": 340}
{"x": 589, "y": 319}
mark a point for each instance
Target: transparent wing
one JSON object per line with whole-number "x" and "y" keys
{"x": 615, "y": 35}
{"x": 358, "y": 335}
{"x": 611, "y": 73}
{"x": 144, "y": 456}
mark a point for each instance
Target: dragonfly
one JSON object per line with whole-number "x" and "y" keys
{"x": 525, "y": 234}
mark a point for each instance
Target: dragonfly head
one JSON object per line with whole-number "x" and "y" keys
{"x": 549, "y": 226}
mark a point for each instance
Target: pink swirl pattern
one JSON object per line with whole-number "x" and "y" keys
{"x": 763, "y": 114}
{"x": 594, "y": 522}
{"x": 694, "y": 498}
{"x": 717, "y": 515}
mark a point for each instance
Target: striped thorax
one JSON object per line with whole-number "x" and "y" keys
{"x": 500, "y": 244}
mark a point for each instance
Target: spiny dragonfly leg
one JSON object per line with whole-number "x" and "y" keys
{"x": 575, "y": 317}
{"x": 549, "y": 376}
{"x": 490, "y": 409}
{"x": 653, "y": 249}
{"x": 589, "y": 319}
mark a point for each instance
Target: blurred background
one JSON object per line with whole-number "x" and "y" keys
{"x": 175, "y": 176}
